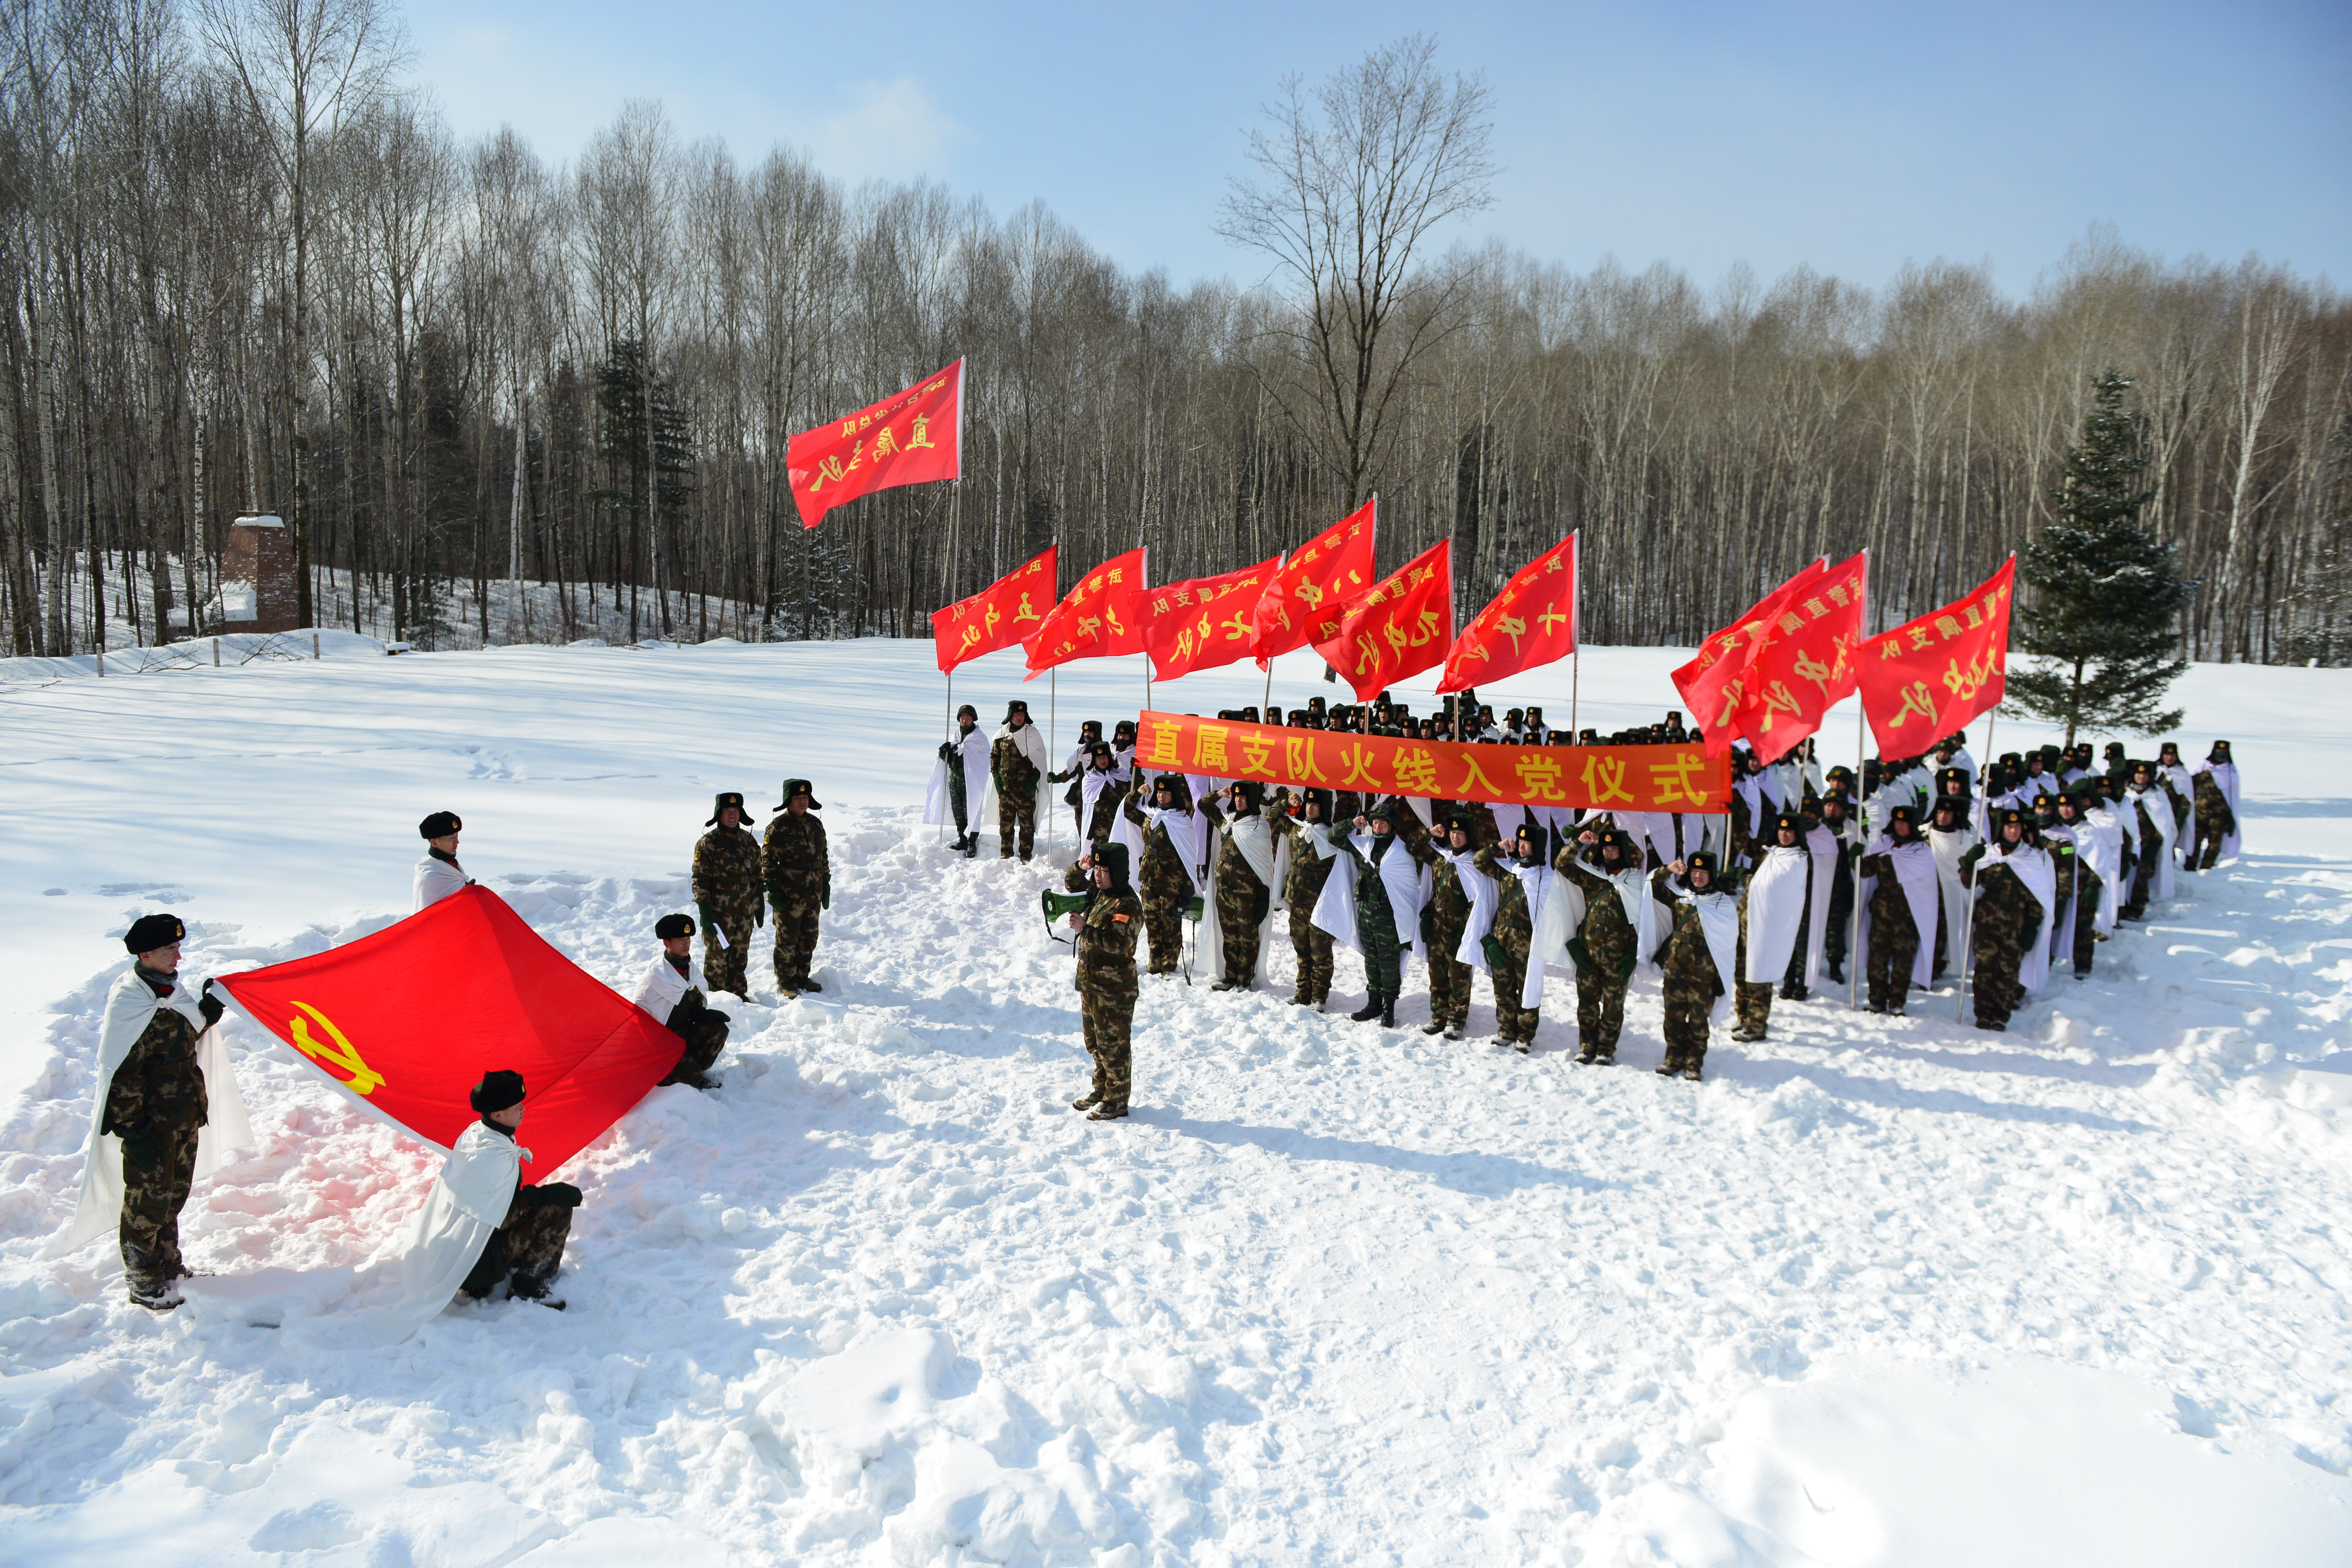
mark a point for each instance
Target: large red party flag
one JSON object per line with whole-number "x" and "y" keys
{"x": 1713, "y": 684}
{"x": 907, "y": 438}
{"x": 1100, "y": 615}
{"x": 1202, "y": 622}
{"x": 1307, "y": 597}
{"x": 1947, "y": 667}
{"x": 406, "y": 1022}
{"x": 1399, "y": 628}
{"x": 1802, "y": 662}
{"x": 1007, "y": 611}
{"x": 1531, "y": 623}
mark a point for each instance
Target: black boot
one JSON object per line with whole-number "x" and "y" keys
{"x": 1388, "y": 1009}
{"x": 1369, "y": 1011}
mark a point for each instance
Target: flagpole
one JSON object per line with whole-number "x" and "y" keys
{"x": 1576, "y": 607}
{"x": 1969, "y": 913}
{"x": 1860, "y": 749}
{"x": 1053, "y": 743}
{"x": 958, "y": 761}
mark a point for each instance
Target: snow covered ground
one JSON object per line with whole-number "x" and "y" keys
{"x": 1872, "y": 1294}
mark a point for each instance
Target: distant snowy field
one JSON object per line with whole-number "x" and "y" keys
{"x": 1872, "y": 1294}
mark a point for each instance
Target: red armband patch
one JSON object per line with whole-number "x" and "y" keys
{"x": 1119, "y": 919}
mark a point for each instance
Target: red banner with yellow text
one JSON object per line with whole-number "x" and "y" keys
{"x": 1307, "y": 597}
{"x": 1401, "y": 627}
{"x": 1803, "y": 663}
{"x": 1929, "y": 678}
{"x": 1202, "y": 622}
{"x": 1620, "y": 778}
{"x": 1101, "y": 615}
{"x": 907, "y": 438}
{"x": 1713, "y": 683}
{"x": 406, "y": 1022}
{"x": 1007, "y": 611}
{"x": 1531, "y": 623}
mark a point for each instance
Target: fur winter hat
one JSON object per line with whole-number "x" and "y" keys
{"x": 440, "y": 825}
{"x": 1702, "y": 860}
{"x": 1112, "y": 857}
{"x": 499, "y": 1090}
{"x": 800, "y": 786}
{"x": 148, "y": 932}
{"x": 731, "y": 797}
{"x": 969, "y": 711}
{"x": 670, "y": 926}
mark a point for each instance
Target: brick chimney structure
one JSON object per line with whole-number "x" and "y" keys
{"x": 259, "y": 557}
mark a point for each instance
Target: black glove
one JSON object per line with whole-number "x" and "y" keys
{"x": 210, "y": 1005}
{"x": 556, "y": 1195}
{"x": 824, "y": 898}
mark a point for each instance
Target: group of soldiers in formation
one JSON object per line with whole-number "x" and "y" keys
{"x": 1922, "y": 866}
{"x": 1931, "y": 863}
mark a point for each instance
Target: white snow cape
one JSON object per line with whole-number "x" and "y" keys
{"x": 1404, "y": 878}
{"x": 2099, "y": 843}
{"x": 1483, "y": 895}
{"x": 1640, "y": 907}
{"x": 1718, "y": 923}
{"x": 434, "y": 880}
{"x": 2159, "y": 812}
{"x": 129, "y": 1008}
{"x": 1188, "y": 834}
{"x": 1776, "y": 913}
{"x": 972, "y": 750}
{"x": 1091, "y": 784}
{"x": 1031, "y": 742}
{"x": 662, "y": 987}
{"x": 1254, "y": 839}
{"x": 1949, "y": 847}
{"x": 2040, "y": 874}
{"x": 1915, "y": 867}
{"x": 1555, "y": 912}
{"x": 469, "y": 1200}
{"x": 2225, "y": 775}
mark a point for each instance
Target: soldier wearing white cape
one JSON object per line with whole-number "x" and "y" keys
{"x": 1250, "y": 866}
{"x": 1384, "y": 870}
{"x": 165, "y": 1110}
{"x": 481, "y": 1226}
{"x": 1019, "y": 740}
{"x": 2220, "y": 771}
{"x": 962, "y": 757}
{"x": 438, "y": 875}
{"x": 1951, "y": 834}
{"x": 1898, "y": 852}
{"x": 1783, "y": 916}
{"x": 1699, "y": 956}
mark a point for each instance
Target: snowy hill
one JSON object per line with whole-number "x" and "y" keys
{"x": 1875, "y": 1293}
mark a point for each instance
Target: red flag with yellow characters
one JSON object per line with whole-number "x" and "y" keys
{"x": 1100, "y": 615}
{"x": 1202, "y": 622}
{"x": 1929, "y": 678}
{"x": 909, "y": 438}
{"x": 1532, "y": 622}
{"x": 1802, "y": 662}
{"x": 406, "y": 1021}
{"x": 1005, "y": 612}
{"x": 1304, "y": 602}
{"x": 1713, "y": 683}
{"x": 1401, "y": 627}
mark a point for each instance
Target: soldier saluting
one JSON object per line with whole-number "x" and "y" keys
{"x": 799, "y": 876}
{"x": 727, "y": 894}
{"x": 1106, "y": 930}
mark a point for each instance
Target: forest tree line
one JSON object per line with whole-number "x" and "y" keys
{"x": 244, "y": 280}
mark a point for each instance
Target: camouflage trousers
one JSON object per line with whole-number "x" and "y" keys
{"x": 1449, "y": 982}
{"x": 1599, "y": 1011}
{"x": 1240, "y": 916}
{"x": 1894, "y": 948}
{"x": 1751, "y": 1006}
{"x": 1017, "y": 817}
{"x": 2143, "y": 884}
{"x": 1688, "y": 1004}
{"x": 528, "y": 1248}
{"x": 727, "y": 965}
{"x": 1108, "y": 1015}
{"x": 2209, "y": 824}
{"x": 795, "y": 912}
{"x": 1513, "y": 1023}
{"x": 1163, "y": 928}
{"x": 1311, "y": 944}
{"x": 1999, "y": 953}
{"x": 2086, "y": 934}
{"x": 159, "y": 1164}
{"x": 1383, "y": 955}
{"x": 705, "y": 1035}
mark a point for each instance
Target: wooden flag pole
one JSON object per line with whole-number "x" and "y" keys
{"x": 1969, "y": 913}
{"x": 1576, "y": 657}
{"x": 1854, "y": 934}
{"x": 1053, "y": 744}
{"x": 958, "y": 761}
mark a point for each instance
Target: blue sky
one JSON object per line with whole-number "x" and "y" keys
{"x": 1851, "y": 138}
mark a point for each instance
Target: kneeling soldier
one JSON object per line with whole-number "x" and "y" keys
{"x": 673, "y": 990}
{"x": 1106, "y": 930}
{"x": 727, "y": 895}
{"x": 526, "y": 1247}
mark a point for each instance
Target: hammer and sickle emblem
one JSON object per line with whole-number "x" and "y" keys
{"x": 362, "y": 1079}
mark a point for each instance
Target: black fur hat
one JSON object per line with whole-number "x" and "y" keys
{"x": 799, "y": 786}
{"x": 1112, "y": 857}
{"x": 499, "y": 1090}
{"x": 440, "y": 825}
{"x": 148, "y": 932}
{"x": 730, "y": 798}
{"x": 670, "y": 926}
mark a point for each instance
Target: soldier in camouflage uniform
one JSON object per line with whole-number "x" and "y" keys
{"x": 1243, "y": 900}
{"x": 727, "y": 887}
{"x": 1106, "y": 931}
{"x": 1310, "y": 942}
{"x": 1511, "y": 937}
{"x": 1166, "y": 885}
{"x": 2077, "y": 877}
{"x": 1603, "y": 948}
{"x": 1095, "y": 827}
{"x": 1015, "y": 776}
{"x": 1375, "y": 915}
{"x": 2209, "y": 815}
{"x": 1894, "y": 935}
{"x": 1442, "y": 921}
{"x": 1691, "y": 982}
{"x": 799, "y": 876}
{"x": 2008, "y": 917}
{"x": 155, "y": 1104}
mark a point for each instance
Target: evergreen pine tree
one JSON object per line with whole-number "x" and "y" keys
{"x": 2108, "y": 595}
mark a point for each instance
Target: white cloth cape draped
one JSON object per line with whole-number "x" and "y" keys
{"x": 2099, "y": 843}
{"x": 130, "y": 1006}
{"x": 1485, "y": 895}
{"x": 662, "y": 987}
{"x": 1031, "y": 741}
{"x": 1915, "y": 867}
{"x": 1268, "y": 855}
{"x": 1955, "y": 897}
{"x": 1188, "y": 834}
{"x": 2225, "y": 774}
{"x": 1718, "y": 923}
{"x": 972, "y": 751}
{"x": 1404, "y": 878}
{"x": 1555, "y": 912}
{"x": 2168, "y": 833}
{"x": 436, "y": 879}
{"x": 469, "y": 1200}
{"x": 1091, "y": 784}
{"x": 1775, "y": 915}
{"x": 1642, "y": 911}
{"x": 2040, "y": 874}
{"x": 2062, "y": 918}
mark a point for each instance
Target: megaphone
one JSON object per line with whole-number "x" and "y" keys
{"x": 1058, "y": 905}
